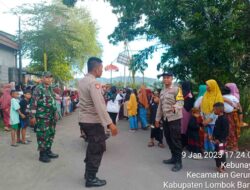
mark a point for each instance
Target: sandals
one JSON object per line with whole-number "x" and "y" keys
{"x": 6, "y": 129}
{"x": 220, "y": 170}
{"x": 161, "y": 145}
{"x": 151, "y": 144}
{"x": 25, "y": 142}
{"x": 14, "y": 145}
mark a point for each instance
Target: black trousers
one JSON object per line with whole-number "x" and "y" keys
{"x": 96, "y": 146}
{"x": 113, "y": 116}
{"x": 172, "y": 133}
{"x": 157, "y": 134}
{"x": 221, "y": 160}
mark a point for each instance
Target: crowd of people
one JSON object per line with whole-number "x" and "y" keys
{"x": 207, "y": 122}
{"x": 15, "y": 101}
{"x": 140, "y": 107}
{"x": 198, "y": 114}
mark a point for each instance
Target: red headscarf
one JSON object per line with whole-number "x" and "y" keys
{"x": 6, "y": 97}
{"x": 143, "y": 97}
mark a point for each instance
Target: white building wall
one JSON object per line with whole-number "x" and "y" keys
{"x": 7, "y": 60}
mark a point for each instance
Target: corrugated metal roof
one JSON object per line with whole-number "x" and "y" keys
{"x": 8, "y": 40}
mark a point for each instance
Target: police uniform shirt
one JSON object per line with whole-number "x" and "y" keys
{"x": 169, "y": 98}
{"x": 92, "y": 107}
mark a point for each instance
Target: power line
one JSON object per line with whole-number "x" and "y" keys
{"x": 4, "y": 4}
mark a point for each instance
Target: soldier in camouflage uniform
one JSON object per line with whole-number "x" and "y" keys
{"x": 43, "y": 109}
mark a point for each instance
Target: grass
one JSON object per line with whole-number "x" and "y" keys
{"x": 1, "y": 124}
{"x": 244, "y": 140}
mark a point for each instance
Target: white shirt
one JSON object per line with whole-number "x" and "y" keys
{"x": 227, "y": 107}
{"x": 197, "y": 103}
{"x": 210, "y": 116}
{"x": 114, "y": 106}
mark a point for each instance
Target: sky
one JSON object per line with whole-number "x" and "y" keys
{"x": 106, "y": 21}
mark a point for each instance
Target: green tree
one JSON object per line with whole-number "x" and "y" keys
{"x": 66, "y": 35}
{"x": 138, "y": 65}
{"x": 202, "y": 39}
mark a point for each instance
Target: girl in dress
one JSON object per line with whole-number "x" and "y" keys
{"x": 156, "y": 133}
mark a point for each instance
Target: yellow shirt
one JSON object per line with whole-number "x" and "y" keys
{"x": 132, "y": 105}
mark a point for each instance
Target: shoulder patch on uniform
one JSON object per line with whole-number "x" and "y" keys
{"x": 98, "y": 86}
{"x": 179, "y": 96}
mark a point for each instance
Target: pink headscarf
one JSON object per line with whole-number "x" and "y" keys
{"x": 234, "y": 89}
{"x": 6, "y": 97}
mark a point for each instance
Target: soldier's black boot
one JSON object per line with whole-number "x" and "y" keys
{"x": 170, "y": 161}
{"x": 178, "y": 166}
{"x": 44, "y": 157}
{"x": 93, "y": 181}
{"x": 51, "y": 154}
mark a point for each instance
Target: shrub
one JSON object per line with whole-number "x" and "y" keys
{"x": 245, "y": 103}
{"x": 1, "y": 124}
{"x": 244, "y": 141}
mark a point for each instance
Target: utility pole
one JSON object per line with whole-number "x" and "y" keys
{"x": 20, "y": 51}
{"x": 45, "y": 61}
{"x": 127, "y": 53}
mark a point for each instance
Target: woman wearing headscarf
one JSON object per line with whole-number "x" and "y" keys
{"x": 213, "y": 95}
{"x": 143, "y": 106}
{"x": 5, "y": 106}
{"x": 132, "y": 111}
{"x": 234, "y": 114}
{"x": 126, "y": 99}
{"x": 186, "y": 110}
{"x": 197, "y": 104}
{"x": 202, "y": 90}
{"x": 113, "y": 104}
{"x": 235, "y": 92}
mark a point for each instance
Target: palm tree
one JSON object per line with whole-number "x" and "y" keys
{"x": 137, "y": 65}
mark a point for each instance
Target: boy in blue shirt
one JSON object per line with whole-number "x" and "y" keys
{"x": 14, "y": 116}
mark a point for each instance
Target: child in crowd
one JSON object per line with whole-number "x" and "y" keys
{"x": 193, "y": 132}
{"x": 14, "y": 116}
{"x": 24, "y": 122}
{"x": 220, "y": 134}
{"x": 67, "y": 104}
{"x": 57, "y": 92}
{"x": 156, "y": 133}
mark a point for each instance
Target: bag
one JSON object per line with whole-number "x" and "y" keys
{"x": 113, "y": 106}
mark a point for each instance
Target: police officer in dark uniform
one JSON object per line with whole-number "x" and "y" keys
{"x": 170, "y": 110}
{"x": 93, "y": 119}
